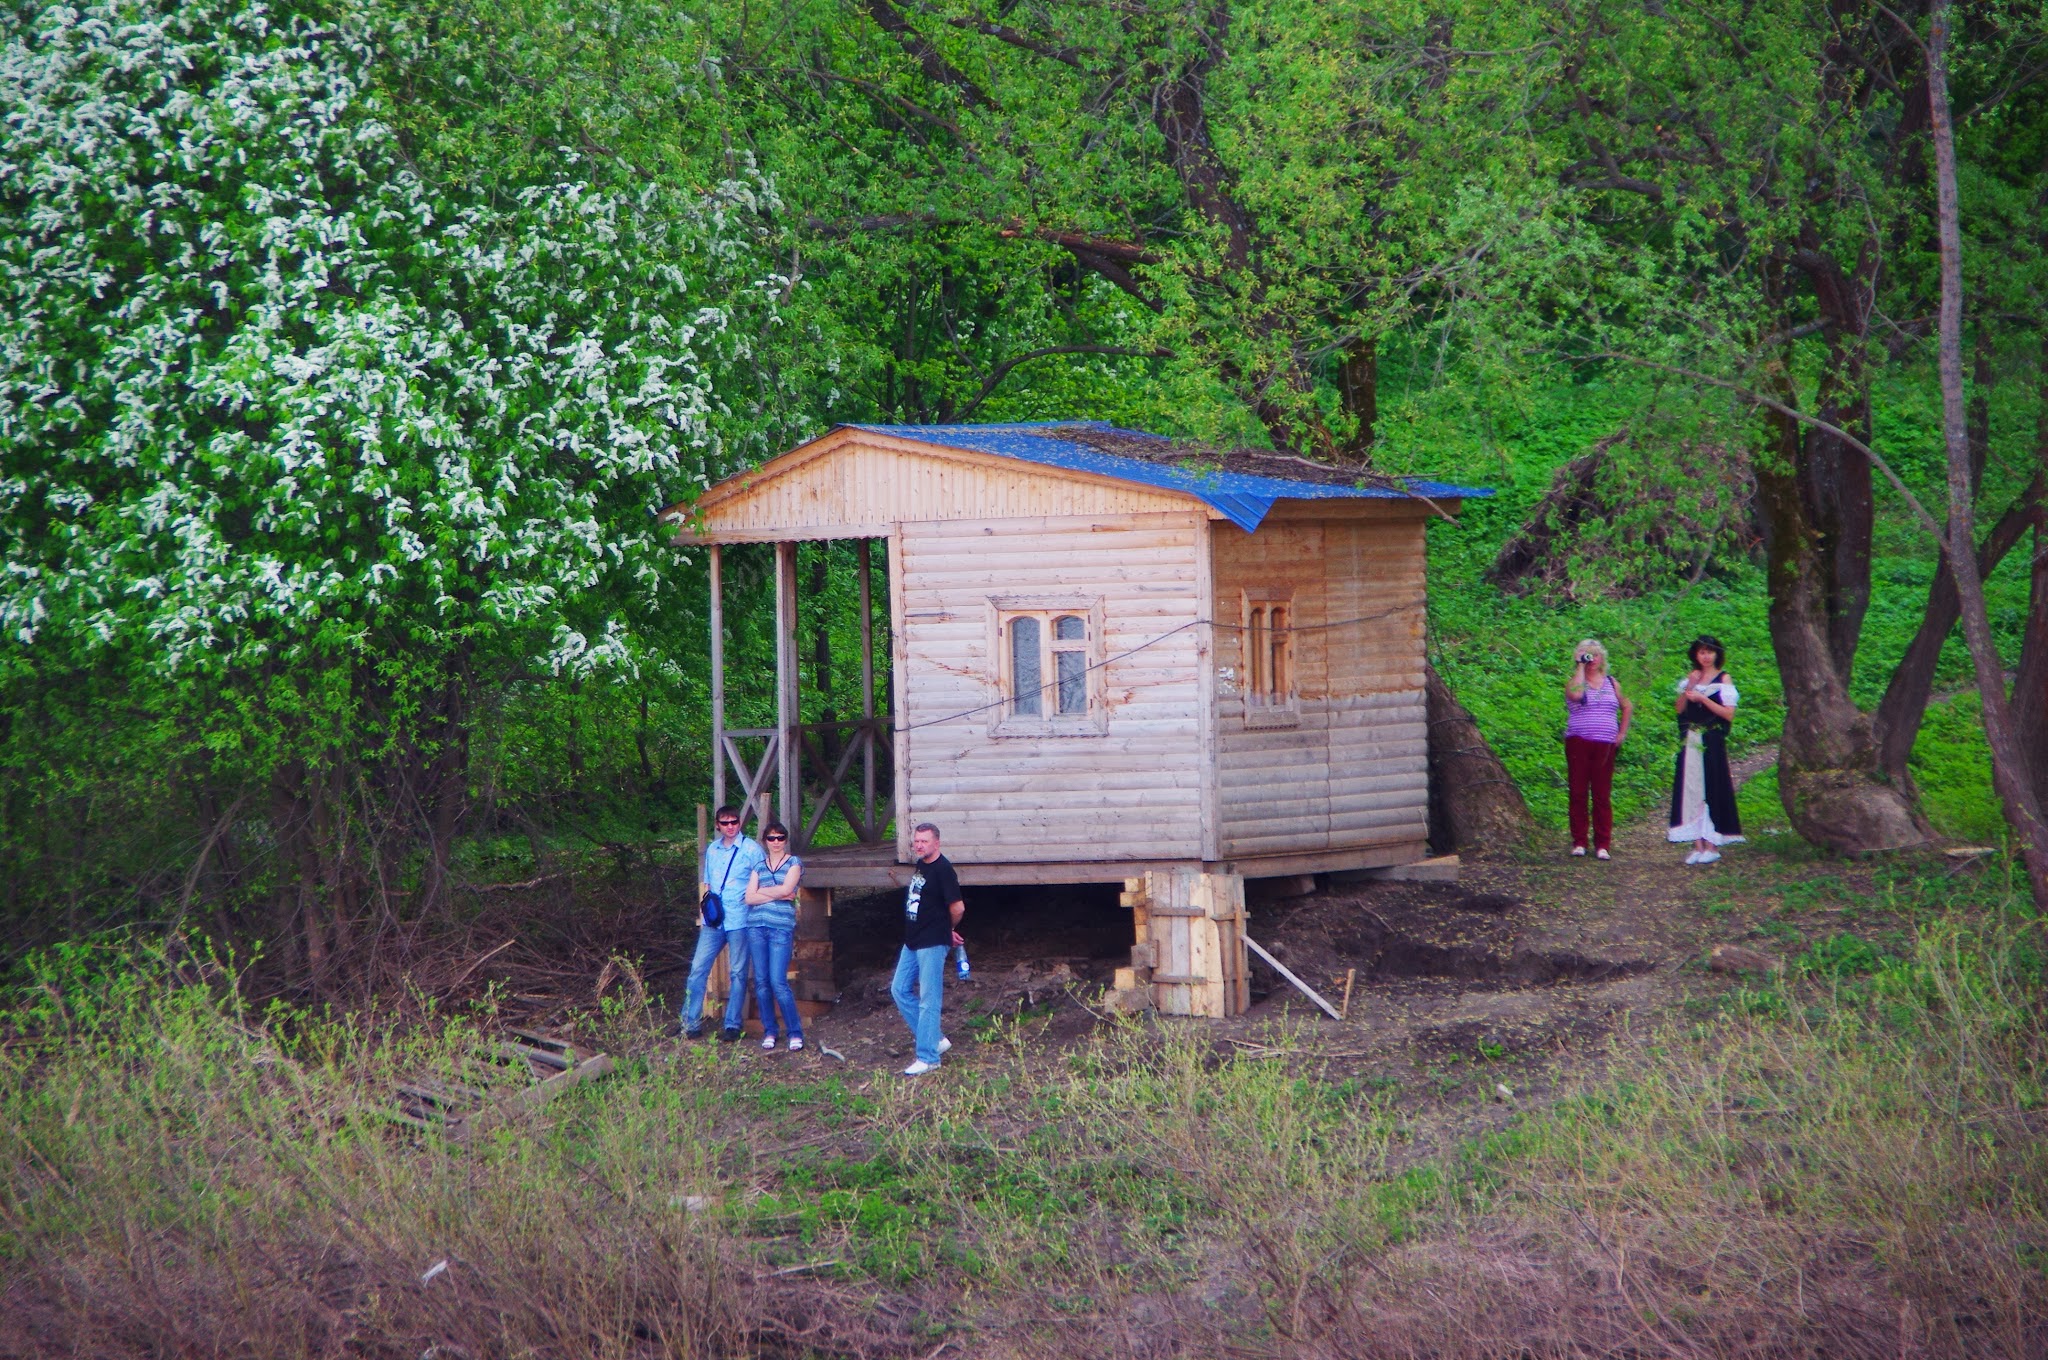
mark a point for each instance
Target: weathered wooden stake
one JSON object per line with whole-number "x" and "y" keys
{"x": 1281, "y": 968}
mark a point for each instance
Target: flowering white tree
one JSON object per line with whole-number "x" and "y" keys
{"x": 286, "y": 424}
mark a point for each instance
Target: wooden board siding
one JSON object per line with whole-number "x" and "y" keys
{"x": 1352, "y": 772}
{"x": 1379, "y": 735}
{"x": 854, "y": 484}
{"x": 1132, "y": 790}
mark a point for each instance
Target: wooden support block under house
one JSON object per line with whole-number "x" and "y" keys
{"x": 1190, "y": 935}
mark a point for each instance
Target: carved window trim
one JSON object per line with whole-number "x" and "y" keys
{"x": 1268, "y": 678}
{"x": 1091, "y": 718}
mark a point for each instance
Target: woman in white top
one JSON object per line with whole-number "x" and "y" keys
{"x": 1702, "y": 790}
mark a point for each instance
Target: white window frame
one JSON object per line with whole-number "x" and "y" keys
{"x": 1270, "y": 699}
{"x": 1094, "y": 720}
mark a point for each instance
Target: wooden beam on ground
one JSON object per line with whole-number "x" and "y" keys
{"x": 1281, "y": 968}
{"x": 532, "y": 1098}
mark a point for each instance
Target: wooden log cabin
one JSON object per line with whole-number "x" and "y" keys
{"x": 1110, "y": 656}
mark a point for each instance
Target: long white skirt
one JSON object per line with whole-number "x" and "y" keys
{"x": 1697, "y": 824}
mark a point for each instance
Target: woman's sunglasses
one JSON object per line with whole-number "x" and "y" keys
{"x": 775, "y": 838}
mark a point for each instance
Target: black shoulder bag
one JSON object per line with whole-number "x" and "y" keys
{"x": 713, "y": 905}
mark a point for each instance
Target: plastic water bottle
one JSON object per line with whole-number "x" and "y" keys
{"x": 961, "y": 963}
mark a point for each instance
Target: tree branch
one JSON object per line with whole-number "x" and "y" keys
{"x": 1791, "y": 413}
{"x": 936, "y": 68}
{"x": 938, "y": 120}
{"x": 1003, "y": 369}
{"x": 1069, "y": 56}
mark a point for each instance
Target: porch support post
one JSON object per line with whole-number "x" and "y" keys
{"x": 867, "y": 692}
{"x": 789, "y": 765}
{"x": 717, "y": 676}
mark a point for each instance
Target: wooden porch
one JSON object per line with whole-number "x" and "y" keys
{"x": 874, "y": 867}
{"x": 801, "y": 772}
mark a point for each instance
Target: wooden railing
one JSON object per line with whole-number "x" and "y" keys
{"x": 829, "y": 754}
{"x": 828, "y": 757}
{"x": 804, "y": 769}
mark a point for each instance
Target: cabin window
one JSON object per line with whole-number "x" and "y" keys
{"x": 1070, "y": 663}
{"x": 1047, "y": 669}
{"x": 1267, "y": 677}
{"x": 1027, "y": 690}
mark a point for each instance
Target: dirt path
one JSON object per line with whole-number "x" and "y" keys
{"x": 1518, "y": 976}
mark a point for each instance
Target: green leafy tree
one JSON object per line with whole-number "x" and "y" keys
{"x": 1744, "y": 202}
{"x": 319, "y": 447}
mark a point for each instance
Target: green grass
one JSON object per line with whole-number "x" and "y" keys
{"x": 1868, "y": 1121}
{"x": 1951, "y": 763}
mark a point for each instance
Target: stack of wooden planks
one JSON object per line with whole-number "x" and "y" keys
{"x": 1189, "y": 932}
{"x": 497, "y": 1080}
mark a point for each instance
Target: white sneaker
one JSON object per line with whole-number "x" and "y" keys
{"x": 1693, "y": 857}
{"x": 918, "y": 1069}
{"x": 796, "y": 1043}
{"x": 768, "y": 1044}
{"x": 1601, "y": 854}
{"x": 1578, "y": 852}
{"x": 945, "y": 1044}
{"x": 1708, "y": 856}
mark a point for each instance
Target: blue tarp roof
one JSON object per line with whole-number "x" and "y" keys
{"x": 1244, "y": 498}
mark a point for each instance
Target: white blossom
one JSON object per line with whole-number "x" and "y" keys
{"x": 273, "y": 380}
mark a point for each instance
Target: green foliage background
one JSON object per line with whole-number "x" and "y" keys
{"x": 1506, "y": 656}
{"x": 897, "y": 212}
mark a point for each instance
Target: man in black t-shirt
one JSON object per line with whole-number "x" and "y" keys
{"x": 931, "y": 909}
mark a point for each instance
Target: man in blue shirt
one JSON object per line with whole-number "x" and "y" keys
{"x": 728, "y": 862}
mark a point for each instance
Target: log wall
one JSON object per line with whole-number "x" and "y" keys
{"x": 1130, "y": 788}
{"x": 1348, "y": 768}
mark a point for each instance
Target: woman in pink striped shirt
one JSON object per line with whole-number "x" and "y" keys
{"x": 1597, "y": 716}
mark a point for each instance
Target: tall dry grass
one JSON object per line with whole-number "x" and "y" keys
{"x": 1858, "y": 1170}
{"x": 1843, "y": 1170}
{"x": 188, "y": 1179}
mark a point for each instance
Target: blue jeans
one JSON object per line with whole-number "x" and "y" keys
{"x": 768, "y": 951}
{"x": 920, "y": 989}
{"x": 710, "y": 939}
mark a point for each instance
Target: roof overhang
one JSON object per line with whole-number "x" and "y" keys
{"x": 1242, "y": 499}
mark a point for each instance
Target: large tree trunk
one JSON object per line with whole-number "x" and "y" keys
{"x": 1359, "y": 387}
{"x": 441, "y": 784}
{"x": 1834, "y": 477}
{"x": 1906, "y": 695}
{"x": 2030, "y": 686}
{"x": 1815, "y": 507}
{"x": 1828, "y": 775}
{"x": 2010, "y": 768}
{"x": 1912, "y": 684}
{"x": 1473, "y": 803}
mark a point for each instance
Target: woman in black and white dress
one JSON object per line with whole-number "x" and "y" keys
{"x": 1702, "y": 790}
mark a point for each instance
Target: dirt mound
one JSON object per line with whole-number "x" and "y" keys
{"x": 1427, "y": 931}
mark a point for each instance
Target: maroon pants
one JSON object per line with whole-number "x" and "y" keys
{"x": 1589, "y": 774}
